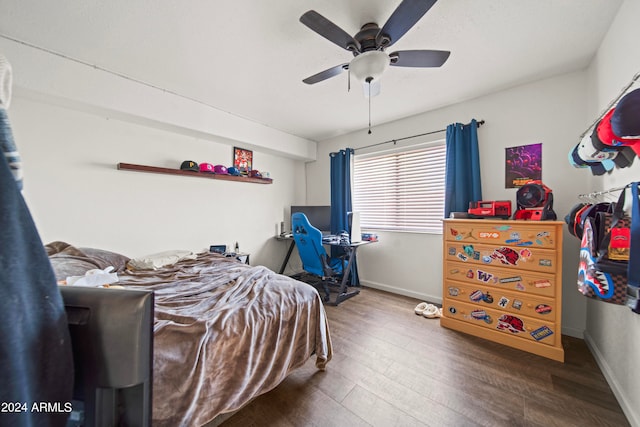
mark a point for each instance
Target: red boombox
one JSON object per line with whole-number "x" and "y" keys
{"x": 484, "y": 209}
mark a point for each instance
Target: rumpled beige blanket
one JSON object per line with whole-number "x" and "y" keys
{"x": 225, "y": 333}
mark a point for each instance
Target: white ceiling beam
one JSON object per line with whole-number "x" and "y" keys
{"x": 48, "y": 77}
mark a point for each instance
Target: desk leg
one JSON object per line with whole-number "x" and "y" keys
{"x": 343, "y": 294}
{"x": 286, "y": 258}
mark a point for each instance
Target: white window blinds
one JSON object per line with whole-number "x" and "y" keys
{"x": 401, "y": 191}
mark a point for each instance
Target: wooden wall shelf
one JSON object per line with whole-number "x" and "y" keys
{"x": 169, "y": 171}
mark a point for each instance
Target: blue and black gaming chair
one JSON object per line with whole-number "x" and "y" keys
{"x": 313, "y": 255}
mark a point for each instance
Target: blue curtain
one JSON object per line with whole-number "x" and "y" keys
{"x": 341, "y": 201}
{"x": 462, "y": 177}
{"x": 340, "y": 189}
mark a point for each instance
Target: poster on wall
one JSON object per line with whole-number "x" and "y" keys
{"x": 522, "y": 164}
{"x": 242, "y": 159}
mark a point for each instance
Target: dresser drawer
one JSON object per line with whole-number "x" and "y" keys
{"x": 487, "y": 296}
{"x": 501, "y": 278}
{"x": 500, "y": 321}
{"x": 511, "y": 257}
{"x": 502, "y": 233}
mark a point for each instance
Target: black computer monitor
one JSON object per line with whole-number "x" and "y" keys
{"x": 319, "y": 216}
{"x": 112, "y": 339}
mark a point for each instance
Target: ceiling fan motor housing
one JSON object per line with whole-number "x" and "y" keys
{"x": 368, "y": 38}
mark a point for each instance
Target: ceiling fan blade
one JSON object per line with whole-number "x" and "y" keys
{"x": 329, "y": 30}
{"x": 326, "y": 74}
{"x": 419, "y": 58}
{"x": 401, "y": 20}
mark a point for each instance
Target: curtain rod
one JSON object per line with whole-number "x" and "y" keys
{"x": 479, "y": 123}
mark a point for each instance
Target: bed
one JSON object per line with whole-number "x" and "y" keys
{"x": 224, "y": 332}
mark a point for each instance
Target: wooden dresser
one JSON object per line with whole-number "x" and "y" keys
{"x": 502, "y": 281}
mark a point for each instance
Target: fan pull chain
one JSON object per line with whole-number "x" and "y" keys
{"x": 369, "y": 79}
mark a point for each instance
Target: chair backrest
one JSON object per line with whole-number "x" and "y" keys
{"x": 309, "y": 242}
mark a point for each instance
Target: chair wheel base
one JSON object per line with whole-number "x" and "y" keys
{"x": 323, "y": 287}
{"x": 343, "y": 296}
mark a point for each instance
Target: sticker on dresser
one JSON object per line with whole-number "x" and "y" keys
{"x": 478, "y": 295}
{"x": 503, "y": 302}
{"x": 481, "y": 315}
{"x": 512, "y": 257}
{"x": 510, "y": 324}
{"x": 529, "y": 304}
{"x": 521, "y": 281}
{"x": 523, "y": 235}
{"x": 541, "y": 333}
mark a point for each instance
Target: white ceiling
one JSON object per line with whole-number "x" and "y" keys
{"x": 248, "y": 57}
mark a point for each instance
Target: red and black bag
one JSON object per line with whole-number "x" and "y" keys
{"x": 594, "y": 282}
{"x": 609, "y": 267}
{"x": 614, "y": 232}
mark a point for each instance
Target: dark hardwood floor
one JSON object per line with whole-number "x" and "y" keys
{"x": 394, "y": 368}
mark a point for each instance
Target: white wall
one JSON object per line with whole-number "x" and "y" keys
{"x": 613, "y": 332}
{"x": 73, "y": 123}
{"x": 76, "y": 194}
{"x": 551, "y": 112}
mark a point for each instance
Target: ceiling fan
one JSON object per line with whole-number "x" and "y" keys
{"x": 369, "y": 44}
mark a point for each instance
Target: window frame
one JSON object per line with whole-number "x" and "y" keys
{"x": 398, "y": 158}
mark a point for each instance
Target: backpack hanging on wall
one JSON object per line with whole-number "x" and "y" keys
{"x": 609, "y": 250}
{"x": 613, "y": 234}
{"x": 594, "y": 283}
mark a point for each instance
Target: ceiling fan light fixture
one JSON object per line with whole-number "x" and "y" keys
{"x": 371, "y": 88}
{"x": 371, "y": 64}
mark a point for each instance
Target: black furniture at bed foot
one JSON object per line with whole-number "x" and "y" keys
{"x": 112, "y": 338}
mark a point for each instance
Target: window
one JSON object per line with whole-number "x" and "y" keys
{"x": 401, "y": 191}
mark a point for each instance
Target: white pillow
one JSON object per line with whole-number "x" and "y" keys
{"x": 160, "y": 259}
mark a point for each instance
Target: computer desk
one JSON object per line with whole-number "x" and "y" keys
{"x": 292, "y": 244}
{"x": 350, "y": 248}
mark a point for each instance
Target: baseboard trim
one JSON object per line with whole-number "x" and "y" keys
{"x": 627, "y": 407}
{"x": 400, "y": 291}
{"x": 573, "y": 332}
